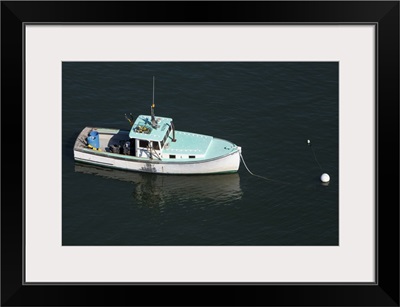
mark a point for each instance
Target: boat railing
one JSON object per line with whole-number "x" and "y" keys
{"x": 153, "y": 152}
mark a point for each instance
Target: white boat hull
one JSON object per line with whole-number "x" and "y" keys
{"x": 226, "y": 164}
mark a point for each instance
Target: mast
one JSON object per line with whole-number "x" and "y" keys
{"x": 153, "y": 118}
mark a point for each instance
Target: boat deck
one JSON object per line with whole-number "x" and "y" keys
{"x": 107, "y": 137}
{"x": 81, "y": 141}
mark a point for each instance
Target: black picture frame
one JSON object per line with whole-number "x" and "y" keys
{"x": 383, "y": 14}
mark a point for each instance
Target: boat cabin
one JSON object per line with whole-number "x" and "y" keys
{"x": 148, "y": 138}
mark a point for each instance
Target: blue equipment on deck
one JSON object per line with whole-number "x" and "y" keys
{"x": 93, "y": 139}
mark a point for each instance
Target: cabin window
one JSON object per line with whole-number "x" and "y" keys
{"x": 172, "y": 156}
{"x": 143, "y": 143}
{"x": 156, "y": 146}
{"x": 192, "y": 157}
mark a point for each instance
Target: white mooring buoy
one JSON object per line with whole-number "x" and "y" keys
{"x": 308, "y": 142}
{"x": 325, "y": 178}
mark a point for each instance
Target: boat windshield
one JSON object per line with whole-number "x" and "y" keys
{"x": 155, "y": 145}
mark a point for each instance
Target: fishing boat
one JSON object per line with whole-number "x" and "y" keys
{"x": 152, "y": 145}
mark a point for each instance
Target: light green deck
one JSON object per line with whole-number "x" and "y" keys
{"x": 198, "y": 145}
{"x": 187, "y": 143}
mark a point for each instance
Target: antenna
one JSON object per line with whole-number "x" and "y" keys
{"x": 153, "y": 119}
{"x": 154, "y": 80}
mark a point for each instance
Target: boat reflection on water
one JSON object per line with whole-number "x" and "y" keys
{"x": 152, "y": 190}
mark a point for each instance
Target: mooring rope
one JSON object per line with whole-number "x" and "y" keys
{"x": 324, "y": 178}
{"x": 315, "y": 157}
{"x": 262, "y": 177}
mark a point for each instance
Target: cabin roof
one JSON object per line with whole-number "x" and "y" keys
{"x": 149, "y": 133}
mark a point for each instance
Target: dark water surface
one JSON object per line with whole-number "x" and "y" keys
{"x": 269, "y": 109}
